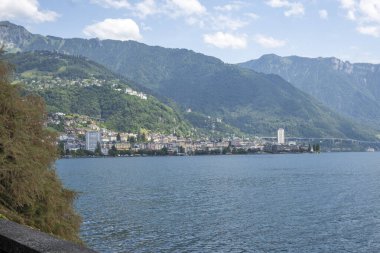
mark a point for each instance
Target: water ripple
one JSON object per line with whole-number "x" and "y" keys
{"x": 295, "y": 203}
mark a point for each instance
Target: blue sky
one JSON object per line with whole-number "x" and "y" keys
{"x": 233, "y": 31}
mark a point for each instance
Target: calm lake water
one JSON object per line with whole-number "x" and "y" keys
{"x": 255, "y": 203}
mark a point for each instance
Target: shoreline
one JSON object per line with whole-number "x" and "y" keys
{"x": 259, "y": 153}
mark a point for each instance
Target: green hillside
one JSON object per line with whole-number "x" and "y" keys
{"x": 72, "y": 84}
{"x": 350, "y": 89}
{"x": 255, "y": 103}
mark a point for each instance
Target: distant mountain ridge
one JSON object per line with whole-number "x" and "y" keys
{"x": 253, "y": 102}
{"x": 351, "y": 89}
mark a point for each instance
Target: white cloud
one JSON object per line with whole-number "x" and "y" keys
{"x": 269, "y": 42}
{"x": 323, "y": 14}
{"x": 365, "y": 10}
{"x": 116, "y": 29}
{"x": 370, "y": 10}
{"x": 351, "y": 15}
{"x": 192, "y": 12}
{"x": 117, "y": 4}
{"x": 141, "y": 9}
{"x": 222, "y": 22}
{"x": 278, "y": 3}
{"x": 185, "y": 7}
{"x": 252, "y": 15}
{"x": 195, "y": 21}
{"x": 292, "y": 8}
{"x": 296, "y": 9}
{"x": 235, "y": 6}
{"x": 226, "y": 40}
{"x": 366, "y": 14}
{"x": 25, "y": 9}
{"x": 369, "y": 30}
{"x": 348, "y": 4}
{"x": 146, "y": 8}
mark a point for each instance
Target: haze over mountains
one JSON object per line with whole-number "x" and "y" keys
{"x": 350, "y": 89}
{"x": 253, "y": 102}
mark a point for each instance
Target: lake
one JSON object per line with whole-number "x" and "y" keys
{"x": 255, "y": 203}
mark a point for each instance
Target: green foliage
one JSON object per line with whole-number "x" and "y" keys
{"x": 120, "y": 111}
{"x": 350, "y": 89}
{"x": 30, "y": 191}
{"x": 80, "y": 153}
{"x": 98, "y": 150}
{"x": 40, "y": 64}
{"x": 60, "y": 127}
{"x": 164, "y": 151}
{"x": 209, "y": 126}
{"x": 317, "y": 148}
{"x": 252, "y": 102}
{"x": 112, "y": 151}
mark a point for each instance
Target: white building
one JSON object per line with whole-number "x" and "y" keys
{"x": 131, "y": 92}
{"x": 92, "y": 140}
{"x": 281, "y": 136}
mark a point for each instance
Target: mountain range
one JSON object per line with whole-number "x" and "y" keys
{"x": 350, "y": 89}
{"x": 255, "y": 103}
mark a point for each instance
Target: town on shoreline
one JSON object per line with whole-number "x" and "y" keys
{"x": 82, "y": 136}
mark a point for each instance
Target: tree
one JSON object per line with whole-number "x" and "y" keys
{"x": 82, "y": 137}
{"x": 141, "y": 137}
{"x": 118, "y": 137}
{"x": 317, "y": 148}
{"x": 132, "y": 139}
{"x": 30, "y": 191}
{"x": 164, "y": 151}
{"x": 61, "y": 148}
{"x": 112, "y": 151}
{"x": 98, "y": 150}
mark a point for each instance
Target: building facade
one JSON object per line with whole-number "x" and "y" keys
{"x": 92, "y": 140}
{"x": 281, "y": 136}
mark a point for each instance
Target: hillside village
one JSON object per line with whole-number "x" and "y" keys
{"x": 84, "y": 136}
{"x": 45, "y": 82}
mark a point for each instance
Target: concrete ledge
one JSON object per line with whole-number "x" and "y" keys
{"x": 16, "y": 238}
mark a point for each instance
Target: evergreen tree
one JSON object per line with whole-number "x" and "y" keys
{"x": 112, "y": 151}
{"x": 98, "y": 150}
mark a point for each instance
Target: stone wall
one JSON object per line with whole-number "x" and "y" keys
{"x": 16, "y": 238}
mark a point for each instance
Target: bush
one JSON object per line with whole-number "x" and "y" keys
{"x": 30, "y": 191}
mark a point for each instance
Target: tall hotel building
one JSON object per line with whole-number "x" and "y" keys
{"x": 281, "y": 136}
{"x": 92, "y": 140}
